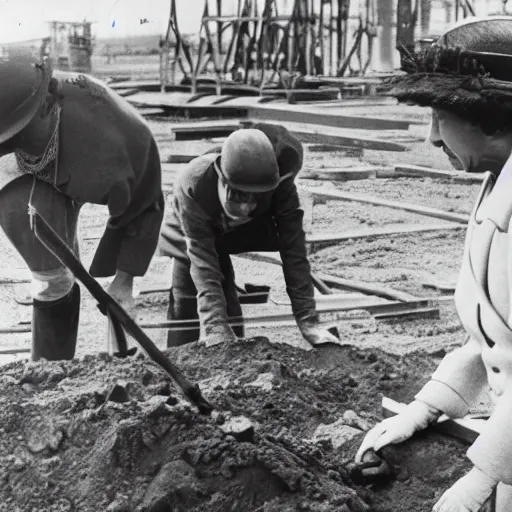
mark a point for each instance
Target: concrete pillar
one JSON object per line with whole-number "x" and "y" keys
{"x": 425, "y": 9}
{"x": 385, "y": 41}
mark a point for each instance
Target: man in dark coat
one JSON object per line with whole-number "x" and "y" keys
{"x": 70, "y": 140}
{"x": 239, "y": 200}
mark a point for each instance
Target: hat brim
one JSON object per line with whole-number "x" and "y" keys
{"x": 441, "y": 90}
{"x": 254, "y": 189}
{"x": 25, "y": 112}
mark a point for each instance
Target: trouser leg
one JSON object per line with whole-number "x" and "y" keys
{"x": 183, "y": 300}
{"x": 182, "y": 304}
{"x": 56, "y": 297}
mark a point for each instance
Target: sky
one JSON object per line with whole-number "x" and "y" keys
{"x": 25, "y": 19}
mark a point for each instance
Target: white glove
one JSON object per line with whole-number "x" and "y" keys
{"x": 316, "y": 334}
{"x": 468, "y": 494}
{"x": 416, "y": 416}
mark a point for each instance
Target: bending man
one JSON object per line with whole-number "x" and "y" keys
{"x": 239, "y": 200}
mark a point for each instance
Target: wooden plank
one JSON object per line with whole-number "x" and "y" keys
{"x": 304, "y": 133}
{"x": 15, "y": 276}
{"x": 340, "y": 150}
{"x": 337, "y": 174}
{"x": 377, "y": 201}
{"x": 369, "y": 289}
{"x": 295, "y": 114}
{"x": 180, "y": 158}
{"x": 404, "y": 229}
{"x": 427, "y": 172}
{"x": 430, "y": 312}
{"x": 466, "y": 429}
{"x": 375, "y": 290}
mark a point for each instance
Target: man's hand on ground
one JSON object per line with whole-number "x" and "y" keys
{"x": 219, "y": 334}
{"x": 121, "y": 290}
{"x": 315, "y": 334}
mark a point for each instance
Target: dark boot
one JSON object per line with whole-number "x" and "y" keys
{"x": 55, "y": 327}
{"x": 182, "y": 308}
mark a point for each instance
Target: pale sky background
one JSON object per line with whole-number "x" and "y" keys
{"x": 25, "y": 19}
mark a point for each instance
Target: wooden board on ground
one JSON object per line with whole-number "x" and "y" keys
{"x": 323, "y": 240}
{"x": 310, "y": 133}
{"x": 300, "y": 114}
{"x": 427, "y": 172}
{"x": 369, "y": 289}
{"x": 377, "y": 201}
{"x": 344, "y": 284}
{"x": 337, "y": 174}
{"x": 180, "y": 158}
{"x": 339, "y": 150}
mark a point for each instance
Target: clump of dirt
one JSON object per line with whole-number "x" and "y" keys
{"x": 107, "y": 434}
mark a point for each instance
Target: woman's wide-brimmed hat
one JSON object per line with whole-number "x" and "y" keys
{"x": 471, "y": 62}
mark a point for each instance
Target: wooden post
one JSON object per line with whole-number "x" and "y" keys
{"x": 385, "y": 22}
{"x": 426, "y": 9}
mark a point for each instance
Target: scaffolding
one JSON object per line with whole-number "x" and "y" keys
{"x": 69, "y": 46}
{"x": 260, "y": 43}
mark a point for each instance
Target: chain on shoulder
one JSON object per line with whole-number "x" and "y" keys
{"x": 30, "y": 164}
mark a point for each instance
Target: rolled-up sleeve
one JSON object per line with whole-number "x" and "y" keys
{"x": 457, "y": 382}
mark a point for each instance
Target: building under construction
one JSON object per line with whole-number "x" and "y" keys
{"x": 69, "y": 46}
{"x": 253, "y": 41}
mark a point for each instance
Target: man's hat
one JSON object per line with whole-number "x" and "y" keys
{"x": 248, "y": 162}
{"x": 23, "y": 88}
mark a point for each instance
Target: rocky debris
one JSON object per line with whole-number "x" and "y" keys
{"x": 338, "y": 433}
{"x": 240, "y": 427}
{"x": 176, "y": 482}
{"x": 119, "y": 393}
{"x": 69, "y": 441}
{"x": 352, "y": 419}
{"x": 264, "y": 381}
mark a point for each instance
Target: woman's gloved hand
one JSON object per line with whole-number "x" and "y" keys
{"x": 416, "y": 416}
{"x": 468, "y": 494}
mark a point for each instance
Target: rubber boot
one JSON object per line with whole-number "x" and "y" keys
{"x": 55, "y": 327}
{"x": 182, "y": 308}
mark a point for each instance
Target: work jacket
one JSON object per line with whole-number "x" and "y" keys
{"x": 194, "y": 225}
{"x": 483, "y": 301}
{"x": 107, "y": 155}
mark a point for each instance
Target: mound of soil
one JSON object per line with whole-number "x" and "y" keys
{"x": 104, "y": 434}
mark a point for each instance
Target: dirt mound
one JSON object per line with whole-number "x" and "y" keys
{"x": 114, "y": 435}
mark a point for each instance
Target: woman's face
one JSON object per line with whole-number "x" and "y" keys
{"x": 476, "y": 151}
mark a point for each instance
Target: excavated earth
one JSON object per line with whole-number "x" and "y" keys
{"x": 104, "y": 434}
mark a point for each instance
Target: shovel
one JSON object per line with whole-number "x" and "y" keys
{"x": 54, "y": 243}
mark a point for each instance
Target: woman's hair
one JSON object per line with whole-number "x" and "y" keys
{"x": 467, "y": 72}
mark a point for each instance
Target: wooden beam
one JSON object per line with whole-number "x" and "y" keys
{"x": 465, "y": 429}
{"x": 302, "y": 115}
{"x": 309, "y": 133}
{"x": 404, "y": 229}
{"x": 340, "y": 150}
{"x": 377, "y": 201}
{"x": 368, "y": 289}
{"x": 337, "y": 174}
{"x": 180, "y": 158}
{"x": 427, "y": 172}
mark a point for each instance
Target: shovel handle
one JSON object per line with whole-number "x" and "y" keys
{"x": 54, "y": 243}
